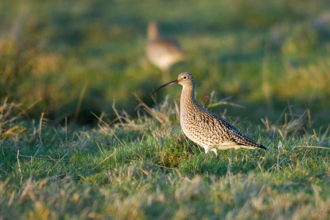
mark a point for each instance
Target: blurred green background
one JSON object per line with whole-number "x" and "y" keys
{"x": 266, "y": 55}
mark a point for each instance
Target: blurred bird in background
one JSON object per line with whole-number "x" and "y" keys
{"x": 162, "y": 52}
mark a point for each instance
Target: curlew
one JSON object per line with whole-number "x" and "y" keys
{"x": 203, "y": 127}
{"x": 162, "y": 52}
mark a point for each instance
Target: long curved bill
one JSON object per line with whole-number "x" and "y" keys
{"x": 167, "y": 84}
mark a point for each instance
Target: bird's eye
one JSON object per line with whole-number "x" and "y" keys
{"x": 185, "y": 77}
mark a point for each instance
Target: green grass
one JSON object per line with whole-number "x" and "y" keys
{"x": 262, "y": 54}
{"x": 67, "y": 153}
{"x": 145, "y": 169}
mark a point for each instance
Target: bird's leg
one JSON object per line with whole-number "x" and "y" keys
{"x": 207, "y": 150}
{"x": 216, "y": 152}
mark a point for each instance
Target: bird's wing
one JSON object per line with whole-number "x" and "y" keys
{"x": 167, "y": 46}
{"x": 233, "y": 135}
{"x": 217, "y": 131}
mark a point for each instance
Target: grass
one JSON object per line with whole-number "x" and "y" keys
{"x": 83, "y": 55}
{"x": 68, "y": 151}
{"x": 144, "y": 168}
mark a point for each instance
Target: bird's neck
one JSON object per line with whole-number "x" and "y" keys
{"x": 153, "y": 32}
{"x": 187, "y": 98}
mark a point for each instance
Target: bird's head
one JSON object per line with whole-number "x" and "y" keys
{"x": 185, "y": 79}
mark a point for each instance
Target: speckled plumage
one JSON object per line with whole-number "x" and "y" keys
{"x": 203, "y": 127}
{"x": 162, "y": 52}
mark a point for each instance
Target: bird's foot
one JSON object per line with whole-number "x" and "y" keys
{"x": 216, "y": 153}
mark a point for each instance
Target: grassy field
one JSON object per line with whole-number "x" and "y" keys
{"x": 265, "y": 55}
{"x": 80, "y": 137}
{"x": 146, "y": 169}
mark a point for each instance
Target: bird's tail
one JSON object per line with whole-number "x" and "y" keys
{"x": 259, "y": 146}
